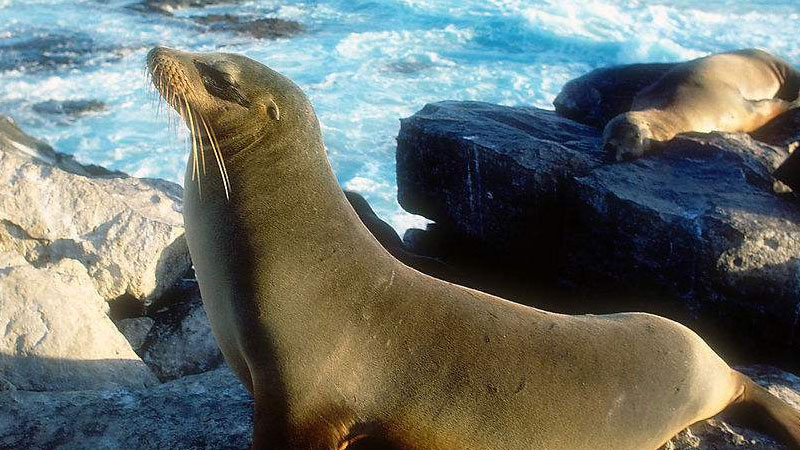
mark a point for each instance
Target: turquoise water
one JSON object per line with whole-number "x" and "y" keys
{"x": 364, "y": 65}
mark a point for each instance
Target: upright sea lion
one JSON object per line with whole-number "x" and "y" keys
{"x": 344, "y": 347}
{"x": 737, "y": 92}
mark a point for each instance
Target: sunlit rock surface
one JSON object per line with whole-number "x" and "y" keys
{"x": 56, "y": 335}
{"x": 127, "y": 232}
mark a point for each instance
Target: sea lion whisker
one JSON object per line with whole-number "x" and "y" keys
{"x": 199, "y": 119}
{"x": 174, "y": 116}
{"x": 202, "y": 153}
{"x": 195, "y": 162}
{"x": 223, "y": 171}
{"x": 197, "y": 146}
{"x": 185, "y": 116}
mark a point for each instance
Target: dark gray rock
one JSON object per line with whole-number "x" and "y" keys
{"x": 208, "y": 411}
{"x": 135, "y": 330}
{"x": 600, "y": 95}
{"x": 263, "y": 28}
{"x": 488, "y": 171}
{"x": 48, "y": 51}
{"x": 700, "y": 222}
{"x": 695, "y": 232}
{"x": 71, "y": 108}
{"x": 180, "y": 341}
{"x": 168, "y": 6}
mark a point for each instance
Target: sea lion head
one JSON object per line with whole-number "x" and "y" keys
{"x": 626, "y": 137}
{"x": 229, "y": 102}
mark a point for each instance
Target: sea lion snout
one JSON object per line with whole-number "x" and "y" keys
{"x": 610, "y": 152}
{"x": 614, "y": 152}
{"x": 167, "y": 68}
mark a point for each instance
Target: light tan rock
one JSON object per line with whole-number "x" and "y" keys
{"x": 127, "y": 232}
{"x": 56, "y": 334}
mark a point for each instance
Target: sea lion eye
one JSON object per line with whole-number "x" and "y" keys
{"x": 220, "y": 84}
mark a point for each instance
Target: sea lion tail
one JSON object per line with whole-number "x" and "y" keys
{"x": 758, "y": 407}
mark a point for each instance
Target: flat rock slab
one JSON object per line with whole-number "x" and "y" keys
{"x": 700, "y": 221}
{"x": 127, "y": 232}
{"x": 207, "y": 411}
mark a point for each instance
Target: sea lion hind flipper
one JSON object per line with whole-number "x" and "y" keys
{"x": 758, "y": 408}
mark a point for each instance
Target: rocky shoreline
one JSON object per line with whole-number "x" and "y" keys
{"x": 107, "y": 344}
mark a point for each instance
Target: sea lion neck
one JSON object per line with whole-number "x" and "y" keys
{"x": 288, "y": 215}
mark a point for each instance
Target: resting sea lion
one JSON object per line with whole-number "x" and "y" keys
{"x": 344, "y": 347}
{"x": 736, "y": 92}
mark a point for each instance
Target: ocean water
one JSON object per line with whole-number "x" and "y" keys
{"x": 364, "y": 64}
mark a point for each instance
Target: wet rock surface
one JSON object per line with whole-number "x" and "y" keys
{"x": 260, "y": 28}
{"x": 168, "y": 6}
{"x": 72, "y": 108}
{"x": 48, "y": 51}
{"x": 135, "y": 330}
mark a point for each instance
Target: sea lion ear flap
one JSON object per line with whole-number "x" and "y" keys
{"x": 272, "y": 110}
